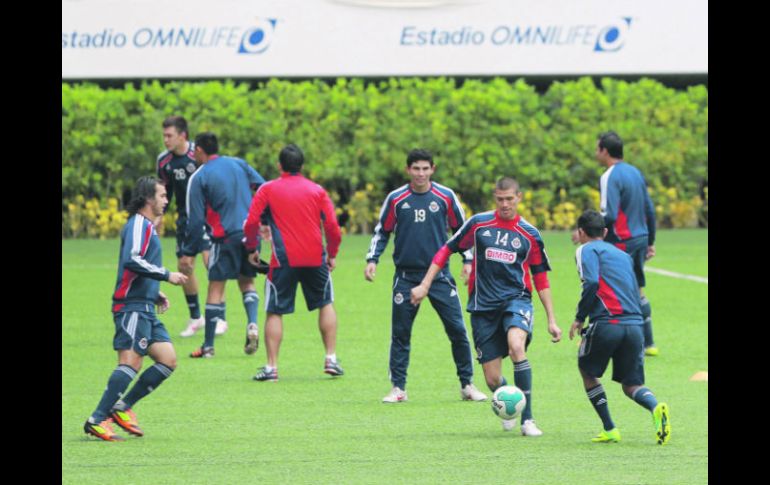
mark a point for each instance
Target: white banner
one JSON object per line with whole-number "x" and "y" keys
{"x": 313, "y": 38}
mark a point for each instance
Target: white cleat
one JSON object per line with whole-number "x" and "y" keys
{"x": 221, "y": 327}
{"x": 529, "y": 428}
{"x": 508, "y": 424}
{"x": 395, "y": 395}
{"x": 470, "y": 393}
{"x": 193, "y": 325}
{"x": 252, "y": 339}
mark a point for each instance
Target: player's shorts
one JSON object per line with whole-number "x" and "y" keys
{"x": 624, "y": 344}
{"x": 229, "y": 259}
{"x": 181, "y": 227}
{"x": 490, "y": 329}
{"x": 281, "y": 288}
{"x": 137, "y": 331}
{"x": 637, "y": 249}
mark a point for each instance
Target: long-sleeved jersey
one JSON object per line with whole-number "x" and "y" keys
{"x": 421, "y": 222}
{"x": 219, "y": 194}
{"x": 625, "y": 204}
{"x": 140, "y": 269}
{"x": 175, "y": 172}
{"x": 505, "y": 253}
{"x": 294, "y": 208}
{"x": 610, "y": 292}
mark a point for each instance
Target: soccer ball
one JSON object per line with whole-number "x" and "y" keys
{"x": 508, "y": 402}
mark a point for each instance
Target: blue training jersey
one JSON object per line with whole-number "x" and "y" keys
{"x": 421, "y": 221}
{"x": 610, "y": 291}
{"x": 219, "y": 194}
{"x": 505, "y": 254}
{"x": 140, "y": 267}
{"x": 625, "y": 204}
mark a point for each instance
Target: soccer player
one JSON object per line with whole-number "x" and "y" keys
{"x": 295, "y": 209}
{"x": 610, "y": 300}
{"x": 629, "y": 216}
{"x": 507, "y": 249}
{"x": 421, "y": 213}
{"x": 219, "y": 194}
{"x": 175, "y": 167}
{"x": 138, "y": 332}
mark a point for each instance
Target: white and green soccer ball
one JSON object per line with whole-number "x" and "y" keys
{"x": 508, "y": 402}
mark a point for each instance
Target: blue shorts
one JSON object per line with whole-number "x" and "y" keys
{"x": 637, "y": 249}
{"x": 490, "y": 329}
{"x": 229, "y": 259}
{"x": 181, "y": 227}
{"x": 138, "y": 331}
{"x": 624, "y": 344}
{"x": 281, "y": 288}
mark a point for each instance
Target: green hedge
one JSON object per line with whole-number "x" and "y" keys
{"x": 356, "y": 133}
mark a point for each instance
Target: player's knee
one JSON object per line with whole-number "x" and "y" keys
{"x": 493, "y": 382}
{"x": 186, "y": 270}
{"x": 517, "y": 351}
{"x": 169, "y": 362}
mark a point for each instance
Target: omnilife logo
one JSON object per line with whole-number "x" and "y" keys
{"x": 254, "y": 38}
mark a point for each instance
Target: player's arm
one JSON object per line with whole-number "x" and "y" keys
{"x": 610, "y": 202}
{"x": 382, "y": 230}
{"x": 331, "y": 229}
{"x": 540, "y": 266}
{"x": 137, "y": 243}
{"x": 649, "y": 212}
{"x": 456, "y": 219}
{"x": 255, "y": 179}
{"x": 588, "y": 269}
{"x": 252, "y": 223}
{"x": 196, "y": 215}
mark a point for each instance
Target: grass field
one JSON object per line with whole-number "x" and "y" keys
{"x": 210, "y": 423}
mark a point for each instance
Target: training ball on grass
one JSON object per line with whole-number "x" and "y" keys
{"x": 508, "y": 402}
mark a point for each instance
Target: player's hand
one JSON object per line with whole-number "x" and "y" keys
{"x": 254, "y": 258}
{"x": 162, "y": 302}
{"x": 331, "y": 263}
{"x": 418, "y": 293}
{"x": 369, "y": 271}
{"x": 555, "y": 332}
{"x": 650, "y": 253}
{"x": 465, "y": 274}
{"x": 177, "y": 278}
{"x": 186, "y": 264}
{"x": 576, "y": 327}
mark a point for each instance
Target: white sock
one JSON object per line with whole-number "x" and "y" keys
{"x": 270, "y": 369}
{"x": 332, "y": 357}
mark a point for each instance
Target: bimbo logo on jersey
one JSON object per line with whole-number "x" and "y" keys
{"x": 500, "y": 255}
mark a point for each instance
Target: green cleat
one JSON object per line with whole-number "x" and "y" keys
{"x": 651, "y": 351}
{"x": 662, "y": 423}
{"x": 611, "y": 436}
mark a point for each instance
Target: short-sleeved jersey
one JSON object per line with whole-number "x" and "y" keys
{"x": 625, "y": 204}
{"x": 219, "y": 194}
{"x": 610, "y": 292}
{"x": 505, "y": 255}
{"x": 140, "y": 267}
{"x": 175, "y": 172}
{"x": 421, "y": 222}
{"x": 295, "y": 208}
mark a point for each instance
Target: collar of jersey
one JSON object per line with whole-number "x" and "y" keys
{"x": 512, "y": 223}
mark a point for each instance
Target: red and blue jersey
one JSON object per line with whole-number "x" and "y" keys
{"x": 507, "y": 255}
{"x": 140, "y": 267}
{"x": 175, "y": 172}
{"x": 295, "y": 208}
{"x": 625, "y": 204}
{"x": 219, "y": 194}
{"x": 421, "y": 222}
{"x": 610, "y": 291}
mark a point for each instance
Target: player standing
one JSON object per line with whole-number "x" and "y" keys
{"x": 421, "y": 213}
{"x": 506, "y": 250}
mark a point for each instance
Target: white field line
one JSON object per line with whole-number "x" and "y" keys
{"x": 699, "y": 279}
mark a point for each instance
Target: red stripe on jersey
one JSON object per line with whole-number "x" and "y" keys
{"x": 165, "y": 160}
{"x": 213, "y": 220}
{"x": 541, "y": 281}
{"x": 621, "y": 246}
{"x": 526, "y": 278}
{"x": 450, "y": 213}
{"x": 117, "y": 307}
{"x": 390, "y": 220}
{"x": 621, "y": 226}
{"x": 614, "y": 322}
{"x": 147, "y": 235}
{"x": 608, "y": 298}
{"x": 472, "y": 278}
{"x": 534, "y": 257}
{"x": 126, "y": 279}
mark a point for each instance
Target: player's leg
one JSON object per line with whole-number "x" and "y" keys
{"x": 215, "y": 311}
{"x": 402, "y": 315}
{"x": 273, "y": 337}
{"x": 280, "y": 291}
{"x": 522, "y": 371}
{"x": 190, "y": 288}
{"x": 596, "y": 348}
{"x": 318, "y": 289}
{"x": 251, "y": 305}
{"x": 445, "y": 300}
{"x": 638, "y": 251}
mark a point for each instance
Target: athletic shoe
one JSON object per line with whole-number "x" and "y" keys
{"x": 266, "y": 375}
{"x": 529, "y": 428}
{"x": 252, "y": 339}
{"x": 103, "y": 430}
{"x": 395, "y": 395}
{"x": 202, "y": 353}
{"x": 221, "y": 327}
{"x": 193, "y": 325}
{"x": 651, "y": 351}
{"x": 332, "y": 367}
{"x": 611, "y": 436}
{"x": 508, "y": 424}
{"x": 126, "y": 419}
{"x": 662, "y": 423}
{"x": 470, "y": 393}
